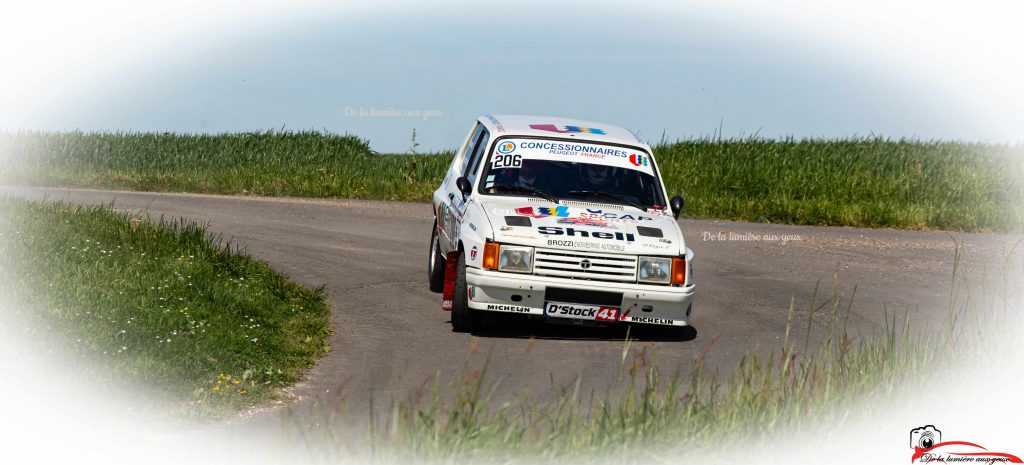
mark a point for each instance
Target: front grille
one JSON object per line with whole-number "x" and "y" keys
{"x": 580, "y": 296}
{"x": 598, "y": 267}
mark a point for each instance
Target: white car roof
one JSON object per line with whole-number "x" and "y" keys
{"x": 553, "y": 126}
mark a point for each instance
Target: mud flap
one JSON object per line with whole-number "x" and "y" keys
{"x": 451, "y": 267}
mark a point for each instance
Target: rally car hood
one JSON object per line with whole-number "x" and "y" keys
{"x": 583, "y": 226}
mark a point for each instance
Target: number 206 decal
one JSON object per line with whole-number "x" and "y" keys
{"x": 507, "y": 161}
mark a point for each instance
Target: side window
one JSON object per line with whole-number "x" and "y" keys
{"x": 479, "y": 154}
{"x": 471, "y": 145}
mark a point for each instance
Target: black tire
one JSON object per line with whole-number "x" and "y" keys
{"x": 464, "y": 319}
{"x": 435, "y": 263}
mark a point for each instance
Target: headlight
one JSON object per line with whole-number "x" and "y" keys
{"x": 515, "y": 258}
{"x": 654, "y": 270}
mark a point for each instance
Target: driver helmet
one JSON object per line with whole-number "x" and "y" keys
{"x": 598, "y": 174}
{"x": 529, "y": 171}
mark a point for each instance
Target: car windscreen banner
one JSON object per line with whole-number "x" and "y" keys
{"x": 510, "y": 153}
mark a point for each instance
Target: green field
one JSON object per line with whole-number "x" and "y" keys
{"x": 159, "y": 305}
{"x": 867, "y": 182}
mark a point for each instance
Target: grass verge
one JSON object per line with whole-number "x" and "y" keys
{"x": 160, "y": 304}
{"x": 866, "y": 182}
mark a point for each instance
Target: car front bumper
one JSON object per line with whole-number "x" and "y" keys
{"x": 525, "y": 294}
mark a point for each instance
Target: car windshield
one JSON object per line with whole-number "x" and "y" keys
{"x": 570, "y": 170}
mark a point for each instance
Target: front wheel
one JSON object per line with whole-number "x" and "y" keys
{"x": 435, "y": 263}
{"x": 463, "y": 318}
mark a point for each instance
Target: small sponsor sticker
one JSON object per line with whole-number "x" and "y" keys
{"x": 581, "y": 311}
{"x": 566, "y": 129}
{"x": 638, "y": 160}
{"x": 586, "y": 245}
{"x": 472, "y": 253}
{"x": 584, "y": 221}
{"x": 508, "y": 308}
{"x": 650, "y": 320}
{"x": 506, "y": 147}
{"x": 541, "y": 212}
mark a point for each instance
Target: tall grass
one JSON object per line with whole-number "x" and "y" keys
{"x": 854, "y": 182}
{"x": 159, "y": 305}
{"x": 302, "y": 164}
{"x": 869, "y": 182}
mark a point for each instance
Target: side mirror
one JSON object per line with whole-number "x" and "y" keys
{"x": 677, "y": 205}
{"x": 464, "y": 186}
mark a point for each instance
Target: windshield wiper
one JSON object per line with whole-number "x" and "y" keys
{"x": 610, "y": 195}
{"x": 527, "y": 189}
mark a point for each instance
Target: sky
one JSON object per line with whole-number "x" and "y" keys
{"x": 381, "y": 70}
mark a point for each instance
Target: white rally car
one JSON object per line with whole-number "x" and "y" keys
{"x": 558, "y": 219}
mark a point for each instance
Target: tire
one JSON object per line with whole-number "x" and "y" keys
{"x": 464, "y": 319}
{"x": 435, "y": 263}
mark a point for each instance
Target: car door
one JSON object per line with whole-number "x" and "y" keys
{"x": 453, "y": 203}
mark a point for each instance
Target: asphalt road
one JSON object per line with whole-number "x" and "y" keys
{"x": 391, "y": 337}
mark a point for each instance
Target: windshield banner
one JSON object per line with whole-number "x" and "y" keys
{"x": 510, "y": 153}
